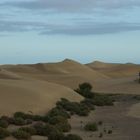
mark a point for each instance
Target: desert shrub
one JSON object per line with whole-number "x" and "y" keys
{"x": 72, "y": 137}
{"x": 19, "y": 121}
{"x": 4, "y": 123}
{"x": 100, "y": 122}
{"x": 10, "y": 120}
{"x": 37, "y": 118}
{"x": 19, "y": 115}
{"x": 91, "y": 127}
{"x": 109, "y": 131}
{"x": 20, "y": 134}
{"x": 29, "y": 121}
{"x": 57, "y": 119}
{"x": 85, "y": 89}
{"x": 56, "y": 135}
{"x": 43, "y": 129}
{"x": 30, "y": 130}
{"x": 58, "y": 111}
{"x": 102, "y": 100}
{"x": 74, "y": 107}
{"x": 100, "y": 135}
{"x": 63, "y": 127}
{"x": 4, "y": 133}
{"x": 89, "y": 103}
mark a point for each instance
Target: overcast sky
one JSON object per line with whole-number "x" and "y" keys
{"x": 33, "y": 31}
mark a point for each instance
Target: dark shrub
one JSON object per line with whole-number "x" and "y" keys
{"x": 56, "y": 135}
{"x": 19, "y": 121}
{"x": 89, "y": 103}
{"x": 100, "y": 123}
{"x": 29, "y": 121}
{"x": 20, "y": 134}
{"x": 10, "y": 120}
{"x": 91, "y": 127}
{"x": 3, "y": 123}
{"x": 4, "y": 133}
{"x": 28, "y": 116}
{"x": 85, "y": 90}
{"x": 109, "y": 132}
{"x": 58, "y": 111}
{"x": 43, "y": 129}
{"x": 102, "y": 100}
{"x": 63, "y": 127}
{"x": 37, "y": 118}
{"x": 73, "y": 107}
{"x": 72, "y": 137}
{"x": 100, "y": 135}
{"x": 57, "y": 119}
{"x": 19, "y": 115}
{"x": 30, "y": 130}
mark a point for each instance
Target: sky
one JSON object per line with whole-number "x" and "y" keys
{"x": 34, "y": 31}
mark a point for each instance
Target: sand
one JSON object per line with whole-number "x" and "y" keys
{"x": 37, "y": 87}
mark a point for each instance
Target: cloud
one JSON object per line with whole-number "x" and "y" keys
{"x": 94, "y": 29}
{"x": 82, "y": 28}
{"x": 73, "y": 5}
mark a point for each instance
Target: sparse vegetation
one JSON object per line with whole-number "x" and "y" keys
{"x": 110, "y": 132}
{"x": 4, "y": 133}
{"x": 74, "y": 107}
{"x": 20, "y": 134}
{"x": 30, "y": 130}
{"x": 3, "y": 123}
{"x": 100, "y": 135}
{"x": 63, "y": 127}
{"x": 85, "y": 89}
{"x": 91, "y": 127}
{"x": 56, "y": 135}
{"x": 72, "y": 137}
{"x": 92, "y": 98}
{"x": 100, "y": 122}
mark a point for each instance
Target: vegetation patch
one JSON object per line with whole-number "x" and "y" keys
{"x": 20, "y": 134}
{"x": 91, "y": 127}
{"x": 4, "y": 133}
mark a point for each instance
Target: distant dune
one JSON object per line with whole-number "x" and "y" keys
{"x": 37, "y": 87}
{"x": 115, "y": 70}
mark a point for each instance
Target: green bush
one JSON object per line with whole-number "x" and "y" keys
{"x": 19, "y": 121}
{"x": 109, "y": 131}
{"x": 19, "y": 115}
{"x": 30, "y": 130}
{"x": 4, "y": 133}
{"x": 102, "y": 100}
{"x": 43, "y": 129}
{"x": 58, "y": 111}
{"x": 91, "y": 127}
{"x": 72, "y": 137}
{"x": 74, "y": 107}
{"x": 3, "y": 123}
{"x": 89, "y": 103}
{"x": 20, "y": 134}
{"x": 57, "y": 119}
{"x": 63, "y": 127}
{"x": 56, "y": 135}
{"x": 85, "y": 89}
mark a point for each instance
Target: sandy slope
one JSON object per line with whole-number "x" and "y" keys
{"x": 68, "y": 72}
{"x": 115, "y": 70}
{"x": 31, "y": 95}
{"x": 37, "y": 87}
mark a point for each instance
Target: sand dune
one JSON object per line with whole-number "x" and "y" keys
{"x": 31, "y": 95}
{"x": 115, "y": 70}
{"x": 4, "y": 74}
{"x": 37, "y": 87}
{"x": 68, "y": 72}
